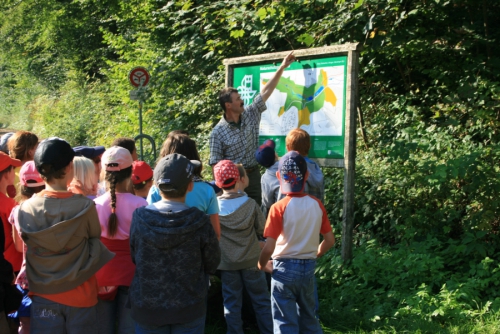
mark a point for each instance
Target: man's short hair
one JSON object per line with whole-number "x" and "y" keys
{"x": 298, "y": 140}
{"x": 225, "y": 96}
{"x": 125, "y": 142}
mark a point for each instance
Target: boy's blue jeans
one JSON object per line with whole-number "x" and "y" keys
{"x": 292, "y": 296}
{"x": 255, "y": 283}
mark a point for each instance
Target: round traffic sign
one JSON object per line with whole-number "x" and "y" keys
{"x": 139, "y": 76}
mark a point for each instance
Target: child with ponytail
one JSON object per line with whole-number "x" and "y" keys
{"x": 115, "y": 209}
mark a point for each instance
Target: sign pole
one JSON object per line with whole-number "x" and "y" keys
{"x": 140, "y": 129}
{"x": 139, "y": 78}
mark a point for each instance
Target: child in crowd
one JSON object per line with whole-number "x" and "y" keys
{"x": 30, "y": 183}
{"x": 292, "y": 231}
{"x": 4, "y": 141}
{"x": 127, "y": 143}
{"x": 142, "y": 178}
{"x": 203, "y": 195}
{"x": 174, "y": 248}
{"x": 22, "y": 146}
{"x": 241, "y": 224}
{"x": 115, "y": 209}
{"x": 84, "y": 181}
{"x": 7, "y": 178}
{"x": 61, "y": 231}
{"x": 94, "y": 154}
{"x": 300, "y": 141}
{"x": 267, "y": 157}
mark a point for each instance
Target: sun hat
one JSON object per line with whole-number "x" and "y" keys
{"x": 6, "y": 161}
{"x": 55, "y": 152}
{"x": 265, "y": 154}
{"x": 224, "y": 171}
{"x": 27, "y": 173}
{"x": 89, "y": 152}
{"x": 293, "y": 169}
{"x": 174, "y": 172}
{"x": 141, "y": 172}
{"x": 116, "y": 158}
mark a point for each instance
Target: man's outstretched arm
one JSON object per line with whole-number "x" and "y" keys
{"x": 271, "y": 84}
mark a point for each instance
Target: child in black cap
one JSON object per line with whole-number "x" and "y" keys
{"x": 174, "y": 248}
{"x": 266, "y": 156}
{"x": 62, "y": 233}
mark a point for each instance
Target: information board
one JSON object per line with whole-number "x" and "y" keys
{"x": 310, "y": 95}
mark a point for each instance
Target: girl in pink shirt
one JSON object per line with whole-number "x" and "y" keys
{"x": 115, "y": 209}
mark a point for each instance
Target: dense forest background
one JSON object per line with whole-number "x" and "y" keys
{"x": 427, "y": 189}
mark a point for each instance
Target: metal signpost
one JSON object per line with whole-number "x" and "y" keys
{"x": 139, "y": 78}
{"x": 318, "y": 93}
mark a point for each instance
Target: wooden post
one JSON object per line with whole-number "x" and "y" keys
{"x": 349, "y": 154}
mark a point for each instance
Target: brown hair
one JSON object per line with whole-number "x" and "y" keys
{"x": 177, "y": 142}
{"x": 48, "y": 174}
{"x": 113, "y": 178}
{"x": 5, "y": 171}
{"x": 125, "y": 142}
{"x": 174, "y": 193}
{"x": 225, "y": 96}
{"x": 298, "y": 140}
{"x": 21, "y": 143}
{"x": 24, "y": 193}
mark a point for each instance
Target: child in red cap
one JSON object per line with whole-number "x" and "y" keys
{"x": 242, "y": 223}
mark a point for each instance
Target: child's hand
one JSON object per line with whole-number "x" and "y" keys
{"x": 268, "y": 268}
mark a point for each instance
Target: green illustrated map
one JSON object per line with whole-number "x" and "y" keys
{"x": 306, "y": 100}
{"x": 310, "y": 95}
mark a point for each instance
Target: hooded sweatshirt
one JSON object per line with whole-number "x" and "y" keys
{"x": 315, "y": 184}
{"x": 173, "y": 253}
{"x": 239, "y": 243}
{"x": 270, "y": 188}
{"x": 63, "y": 240}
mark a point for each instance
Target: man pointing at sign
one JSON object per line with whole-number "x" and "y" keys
{"x": 236, "y": 136}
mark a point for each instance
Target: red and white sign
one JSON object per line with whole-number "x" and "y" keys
{"x": 139, "y": 76}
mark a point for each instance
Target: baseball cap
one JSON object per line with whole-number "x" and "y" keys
{"x": 293, "y": 169}
{"x": 116, "y": 158}
{"x": 141, "y": 172}
{"x": 4, "y": 141}
{"x": 6, "y": 161}
{"x": 53, "y": 151}
{"x": 28, "y": 172}
{"x": 89, "y": 152}
{"x": 174, "y": 172}
{"x": 265, "y": 154}
{"x": 225, "y": 170}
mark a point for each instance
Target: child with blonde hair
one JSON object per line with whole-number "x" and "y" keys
{"x": 84, "y": 181}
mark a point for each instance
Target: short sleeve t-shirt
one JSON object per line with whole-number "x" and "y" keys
{"x": 126, "y": 204}
{"x": 202, "y": 197}
{"x": 296, "y": 222}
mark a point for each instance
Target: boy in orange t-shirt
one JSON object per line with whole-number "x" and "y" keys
{"x": 62, "y": 232}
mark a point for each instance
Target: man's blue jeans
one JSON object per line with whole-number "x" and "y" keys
{"x": 292, "y": 296}
{"x": 255, "y": 283}
{"x": 196, "y": 326}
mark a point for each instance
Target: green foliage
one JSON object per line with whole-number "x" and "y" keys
{"x": 427, "y": 186}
